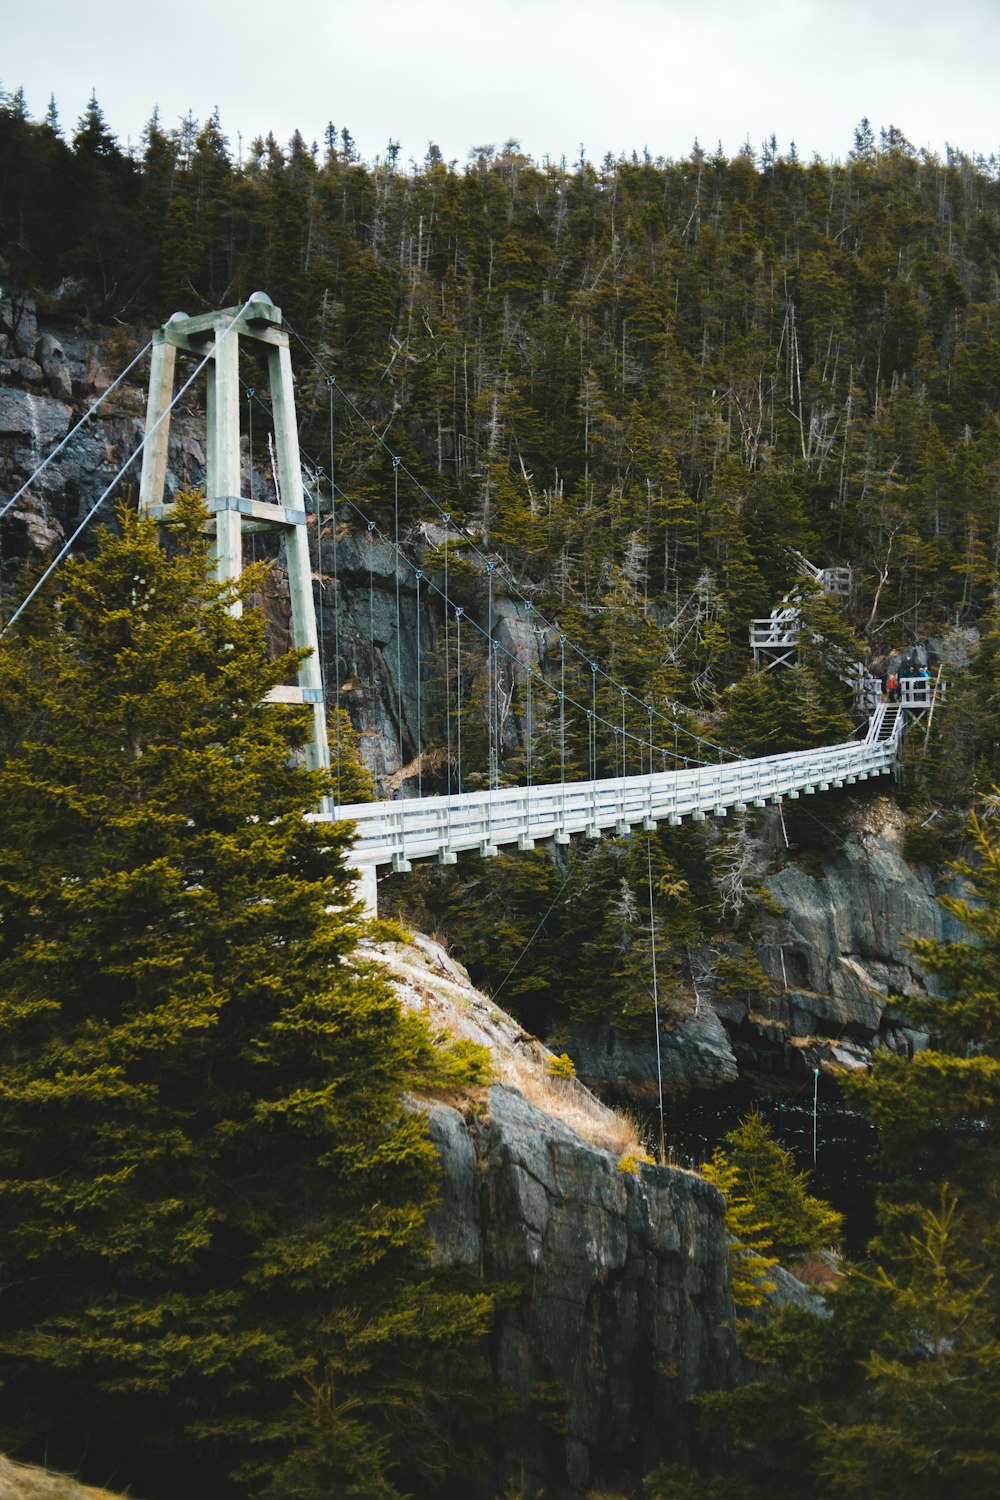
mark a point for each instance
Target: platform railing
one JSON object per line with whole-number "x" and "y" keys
{"x": 920, "y": 692}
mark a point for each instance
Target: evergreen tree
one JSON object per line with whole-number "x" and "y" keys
{"x": 762, "y": 1173}
{"x": 928, "y": 1424}
{"x": 211, "y": 1197}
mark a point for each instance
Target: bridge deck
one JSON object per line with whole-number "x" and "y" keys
{"x": 441, "y": 827}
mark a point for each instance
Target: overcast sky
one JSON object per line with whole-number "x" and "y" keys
{"x": 614, "y": 76}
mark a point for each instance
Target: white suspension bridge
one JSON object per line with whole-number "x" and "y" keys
{"x": 391, "y": 834}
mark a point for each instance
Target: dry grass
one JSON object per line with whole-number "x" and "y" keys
{"x": 21, "y": 1482}
{"x": 607, "y": 1129}
{"x": 428, "y": 981}
{"x": 820, "y": 1269}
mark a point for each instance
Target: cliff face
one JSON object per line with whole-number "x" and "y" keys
{"x": 622, "y": 1311}
{"x": 380, "y": 648}
{"x": 831, "y": 940}
{"x": 51, "y": 371}
{"x": 836, "y": 947}
{"x": 620, "y": 1307}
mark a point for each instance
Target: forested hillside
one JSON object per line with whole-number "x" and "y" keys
{"x": 634, "y": 375}
{"x": 646, "y": 388}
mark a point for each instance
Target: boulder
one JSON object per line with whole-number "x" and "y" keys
{"x": 695, "y": 1052}
{"x": 19, "y": 318}
{"x": 28, "y": 371}
{"x": 51, "y": 355}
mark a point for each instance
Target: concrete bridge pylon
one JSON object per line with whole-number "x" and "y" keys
{"x": 232, "y": 514}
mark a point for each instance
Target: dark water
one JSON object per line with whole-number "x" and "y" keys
{"x": 844, "y": 1142}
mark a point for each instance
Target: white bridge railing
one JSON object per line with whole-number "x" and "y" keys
{"x": 395, "y": 833}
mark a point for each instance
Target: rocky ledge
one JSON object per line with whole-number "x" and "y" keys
{"x": 622, "y": 1309}
{"x": 832, "y": 942}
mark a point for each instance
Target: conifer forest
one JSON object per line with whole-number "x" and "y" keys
{"x": 646, "y": 389}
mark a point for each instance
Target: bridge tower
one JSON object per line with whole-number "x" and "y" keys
{"x": 217, "y": 335}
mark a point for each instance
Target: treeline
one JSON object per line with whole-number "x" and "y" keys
{"x": 644, "y": 383}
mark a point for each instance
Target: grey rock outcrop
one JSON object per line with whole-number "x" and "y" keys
{"x": 38, "y": 421}
{"x": 836, "y": 947}
{"x": 51, "y": 356}
{"x": 696, "y": 1051}
{"x": 832, "y": 942}
{"x": 19, "y": 321}
{"x": 623, "y": 1310}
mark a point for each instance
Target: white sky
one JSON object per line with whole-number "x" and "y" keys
{"x": 552, "y": 73}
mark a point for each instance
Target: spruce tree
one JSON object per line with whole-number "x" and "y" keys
{"x": 211, "y": 1197}
{"x": 762, "y": 1172}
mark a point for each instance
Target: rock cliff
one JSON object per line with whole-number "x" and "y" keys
{"x": 831, "y": 939}
{"x": 835, "y": 945}
{"x": 622, "y": 1308}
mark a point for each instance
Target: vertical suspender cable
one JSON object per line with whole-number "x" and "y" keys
{"x": 562, "y": 709}
{"x": 494, "y": 647}
{"x": 656, "y": 998}
{"x": 593, "y": 720}
{"x": 336, "y": 589}
{"x": 498, "y": 722}
{"x": 624, "y": 736}
{"x": 459, "y": 612}
{"x": 527, "y": 722}
{"x": 489, "y": 674}
{"x": 318, "y": 478}
{"x": 399, "y": 630}
{"x": 420, "y": 755}
{"x": 447, "y": 658}
{"x": 251, "y": 392}
{"x": 371, "y": 620}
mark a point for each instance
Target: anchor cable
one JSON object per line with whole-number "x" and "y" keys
{"x": 68, "y": 545}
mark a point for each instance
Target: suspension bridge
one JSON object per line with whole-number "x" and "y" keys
{"x": 391, "y": 834}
